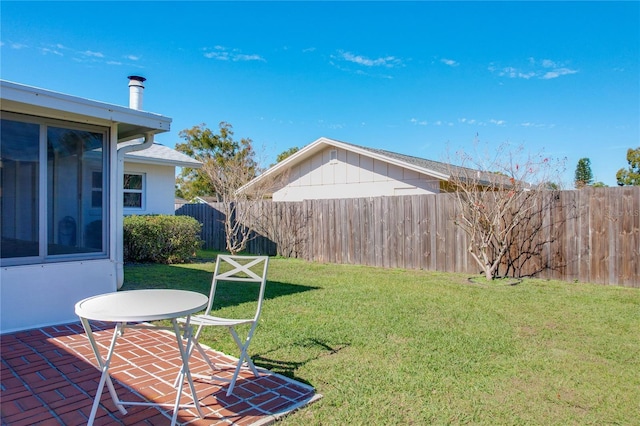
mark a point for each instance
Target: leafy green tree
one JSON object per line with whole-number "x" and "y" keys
{"x": 227, "y": 166}
{"x": 287, "y": 153}
{"x": 209, "y": 147}
{"x": 600, "y": 185}
{"x": 584, "y": 175}
{"x": 630, "y": 176}
{"x": 550, "y": 186}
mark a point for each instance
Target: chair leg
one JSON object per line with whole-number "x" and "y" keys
{"x": 244, "y": 357}
{"x": 243, "y": 350}
{"x": 206, "y": 357}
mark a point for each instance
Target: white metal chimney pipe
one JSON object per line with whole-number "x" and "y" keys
{"x": 136, "y": 91}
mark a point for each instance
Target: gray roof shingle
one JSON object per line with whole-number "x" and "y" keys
{"x": 160, "y": 154}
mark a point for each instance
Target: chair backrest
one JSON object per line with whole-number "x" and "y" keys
{"x": 240, "y": 269}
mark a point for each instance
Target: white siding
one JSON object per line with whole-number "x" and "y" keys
{"x": 366, "y": 169}
{"x": 159, "y": 188}
{"x": 45, "y": 294}
{"x": 353, "y": 167}
{"x": 352, "y": 176}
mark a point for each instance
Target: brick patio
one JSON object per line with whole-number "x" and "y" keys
{"x": 49, "y": 376}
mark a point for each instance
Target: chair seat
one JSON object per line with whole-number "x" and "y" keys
{"x": 211, "y": 320}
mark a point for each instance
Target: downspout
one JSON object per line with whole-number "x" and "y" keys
{"x": 136, "y": 92}
{"x": 146, "y": 143}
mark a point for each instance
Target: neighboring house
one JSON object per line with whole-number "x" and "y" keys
{"x": 206, "y": 200}
{"x": 61, "y": 166}
{"x": 150, "y": 179}
{"x": 328, "y": 168}
{"x": 179, "y": 202}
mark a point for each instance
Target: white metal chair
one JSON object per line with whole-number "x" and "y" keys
{"x": 234, "y": 270}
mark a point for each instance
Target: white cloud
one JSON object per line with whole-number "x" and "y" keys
{"x": 537, "y": 125}
{"x": 93, "y": 54}
{"x": 548, "y": 63}
{"x": 387, "y": 61}
{"x": 133, "y": 57}
{"x": 243, "y": 57}
{"x": 497, "y": 122}
{"x": 221, "y": 53}
{"x": 449, "y": 62}
{"x": 46, "y": 50}
{"x": 557, "y": 73}
{"x": 544, "y": 69}
{"x": 418, "y": 122}
{"x": 221, "y": 56}
{"x": 332, "y": 126}
{"x": 55, "y": 49}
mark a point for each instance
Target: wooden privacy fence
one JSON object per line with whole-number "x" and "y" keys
{"x": 591, "y": 235}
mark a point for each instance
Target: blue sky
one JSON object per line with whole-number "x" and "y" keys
{"x": 419, "y": 78}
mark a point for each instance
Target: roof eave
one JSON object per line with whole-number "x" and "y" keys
{"x": 161, "y": 161}
{"x": 132, "y": 123}
{"x": 390, "y": 160}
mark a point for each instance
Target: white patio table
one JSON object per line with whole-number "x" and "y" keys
{"x": 139, "y": 306}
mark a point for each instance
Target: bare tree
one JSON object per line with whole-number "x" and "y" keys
{"x": 242, "y": 207}
{"x": 283, "y": 223}
{"x": 495, "y": 195}
{"x": 226, "y": 177}
{"x": 227, "y": 166}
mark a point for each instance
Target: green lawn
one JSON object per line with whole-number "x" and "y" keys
{"x": 413, "y": 347}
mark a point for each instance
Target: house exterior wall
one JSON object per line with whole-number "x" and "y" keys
{"x": 41, "y": 294}
{"x": 45, "y": 294}
{"x": 351, "y": 175}
{"x": 159, "y": 188}
{"x": 42, "y": 290}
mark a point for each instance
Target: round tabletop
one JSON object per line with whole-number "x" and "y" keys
{"x": 141, "y": 305}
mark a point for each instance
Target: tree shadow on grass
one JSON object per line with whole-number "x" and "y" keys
{"x": 143, "y": 276}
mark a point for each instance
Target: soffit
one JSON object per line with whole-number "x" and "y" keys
{"x": 131, "y": 123}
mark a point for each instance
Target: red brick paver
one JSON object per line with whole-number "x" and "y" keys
{"x": 49, "y": 376}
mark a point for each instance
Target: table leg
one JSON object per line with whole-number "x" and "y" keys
{"x": 104, "y": 367}
{"x": 184, "y": 354}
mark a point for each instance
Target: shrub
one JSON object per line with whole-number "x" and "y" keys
{"x": 160, "y": 238}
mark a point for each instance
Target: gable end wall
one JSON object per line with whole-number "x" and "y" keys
{"x": 352, "y": 175}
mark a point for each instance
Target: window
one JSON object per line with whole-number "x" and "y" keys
{"x": 133, "y": 190}
{"x": 19, "y": 208}
{"x": 51, "y": 190}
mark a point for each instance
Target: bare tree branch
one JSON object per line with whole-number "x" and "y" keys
{"x": 495, "y": 197}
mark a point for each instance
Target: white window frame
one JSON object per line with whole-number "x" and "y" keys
{"x": 96, "y": 189}
{"x": 43, "y": 186}
{"x": 142, "y": 191}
